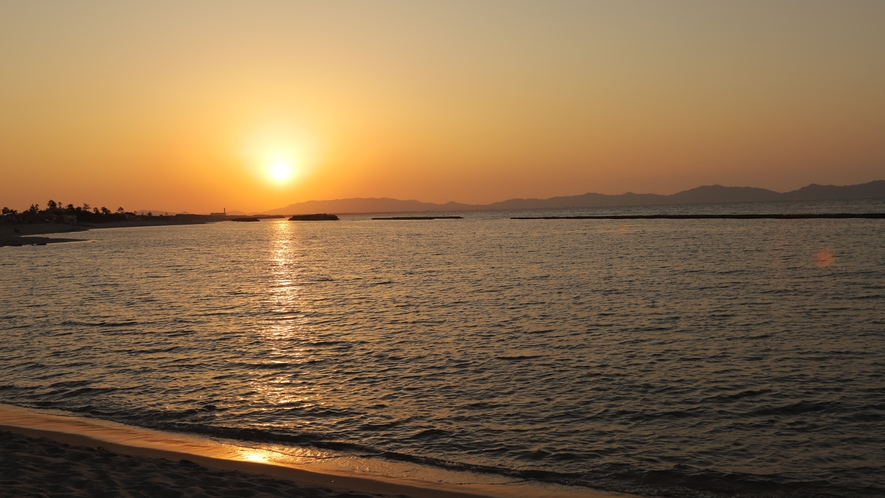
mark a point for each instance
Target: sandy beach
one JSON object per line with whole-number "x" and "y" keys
{"x": 51, "y": 455}
{"x": 43, "y": 467}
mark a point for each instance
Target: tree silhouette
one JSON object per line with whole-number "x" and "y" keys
{"x": 51, "y": 204}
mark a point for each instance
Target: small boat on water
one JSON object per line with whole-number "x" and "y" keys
{"x": 314, "y": 217}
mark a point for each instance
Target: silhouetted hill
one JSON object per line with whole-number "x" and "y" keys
{"x": 370, "y": 205}
{"x": 814, "y": 192}
{"x": 709, "y": 194}
{"x": 717, "y": 193}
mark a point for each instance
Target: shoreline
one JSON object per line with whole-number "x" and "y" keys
{"x": 29, "y": 234}
{"x": 159, "y": 455}
{"x": 24, "y": 235}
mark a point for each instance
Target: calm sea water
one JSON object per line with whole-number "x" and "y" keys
{"x": 670, "y": 357}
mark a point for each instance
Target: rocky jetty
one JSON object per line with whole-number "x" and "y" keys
{"x": 314, "y": 217}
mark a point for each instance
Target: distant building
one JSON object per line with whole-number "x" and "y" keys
{"x": 223, "y": 213}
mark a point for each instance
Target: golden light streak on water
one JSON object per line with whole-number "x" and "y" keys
{"x": 253, "y": 456}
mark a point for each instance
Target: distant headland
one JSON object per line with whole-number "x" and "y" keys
{"x": 711, "y": 194}
{"x": 23, "y": 228}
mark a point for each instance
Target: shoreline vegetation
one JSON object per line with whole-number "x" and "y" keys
{"x": 42, "y": 453}
{"x": 24, "y": 228}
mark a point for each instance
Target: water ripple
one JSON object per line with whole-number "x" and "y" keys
{"x": 674, "y": 357}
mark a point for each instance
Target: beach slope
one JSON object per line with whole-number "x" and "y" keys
{"x": 44, "y": 467}
{"x": 52, "y": 455}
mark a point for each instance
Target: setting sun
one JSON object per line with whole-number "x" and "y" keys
{"x": 278, "y": 154}
{"x": 280, "y": 172}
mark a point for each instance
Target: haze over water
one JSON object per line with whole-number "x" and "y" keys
{"x": 683, "y": 357}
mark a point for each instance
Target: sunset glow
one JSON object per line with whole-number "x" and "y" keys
{"x": 257, "y": 107}
{"x": 489, "y": 248}
{"x": 280, "y": 172}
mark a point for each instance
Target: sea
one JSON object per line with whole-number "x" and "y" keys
{"x": 661, "y": 357}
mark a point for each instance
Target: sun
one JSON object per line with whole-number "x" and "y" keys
{"x": 278, "y": 156}
{"x": 280, "y": 172}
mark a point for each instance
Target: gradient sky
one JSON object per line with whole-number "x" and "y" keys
{"x": 186, "y": 105}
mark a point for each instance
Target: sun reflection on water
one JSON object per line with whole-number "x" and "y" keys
{"x": 253, "y": 456}
{"x": 283, "y": 289}
{"x": 282, "y": 331}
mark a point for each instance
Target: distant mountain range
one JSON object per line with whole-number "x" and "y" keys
{"x": 710, "y": 194}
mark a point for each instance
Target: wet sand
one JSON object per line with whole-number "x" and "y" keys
{"x": 46, "y": 455}
{"x": 44, "y": 467}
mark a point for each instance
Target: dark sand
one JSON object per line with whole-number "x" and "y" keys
{"x": 44, "y": 463}
{"x": 43, "y": 467}
{"x": 43, "y": 454}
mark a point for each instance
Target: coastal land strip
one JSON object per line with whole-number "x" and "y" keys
{"x": 837, "y": 216}
{"x": 28, "y": 234}
{"x": 48, "y": 454}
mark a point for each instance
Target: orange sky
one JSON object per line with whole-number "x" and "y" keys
{"x": 184, "y": 106}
